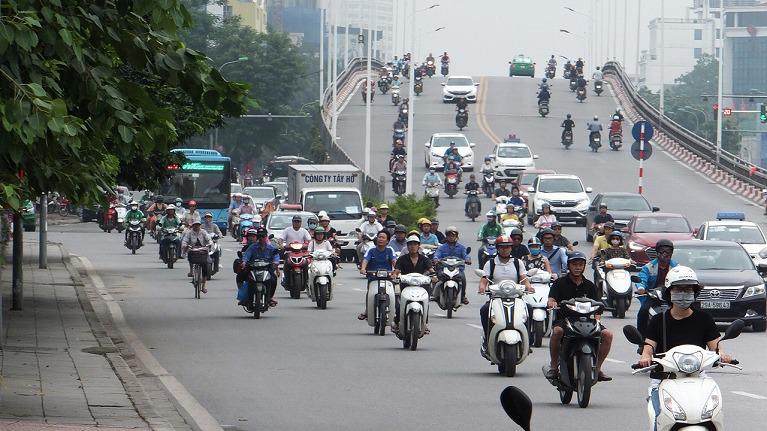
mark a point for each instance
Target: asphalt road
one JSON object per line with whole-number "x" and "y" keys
{"x": 299, "y": 367}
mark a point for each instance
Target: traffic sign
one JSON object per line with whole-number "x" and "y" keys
{"x": 727, "y": 112}
{"x": 715, "y": 106}
{"x": 637, "y": 130}
{"x": 635, "y": 150}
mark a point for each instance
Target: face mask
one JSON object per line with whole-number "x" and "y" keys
{"x": 682, "y": 299}
{"x": 535, "y": 251}
{"x": 615, "y": 242}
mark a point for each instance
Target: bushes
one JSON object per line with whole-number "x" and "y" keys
{"x": 407, "y": 209}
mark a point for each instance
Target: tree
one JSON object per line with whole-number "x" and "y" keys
{"x": 89, "y": 87}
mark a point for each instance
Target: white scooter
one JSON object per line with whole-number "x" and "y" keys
{"x": 432, "y": 191}
{"x": 215, "y": 255}
{"x": 501, "y": 202}
{"x": 320, "y": 288}
{"x": 509, "y": 225}
{"x": 413, "y": 309}
{"x": 508, "y": 342}
{"x": 380, "y": 301}
{"x": 688, "y": 401}
{"x": 121, "y": 211}
{"x": 616, "y": 285}
{"x": 540, "y": 325}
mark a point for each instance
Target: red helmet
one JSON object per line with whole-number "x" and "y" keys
{"x": 192, "y": 203}
{"x": 503, "y": 240}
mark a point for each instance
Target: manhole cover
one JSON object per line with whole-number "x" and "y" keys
{"x": 100, "y": 350}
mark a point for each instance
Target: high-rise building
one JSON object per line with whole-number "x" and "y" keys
{"x": 355, "y": 16}
{"x": 252, "y": 13}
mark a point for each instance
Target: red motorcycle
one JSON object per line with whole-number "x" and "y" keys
{"x": 110, "y": 219}
{"x": 295, "y": 268}
{"x": 452, "y": 178}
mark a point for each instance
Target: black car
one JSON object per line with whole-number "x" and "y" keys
{"x": 622, "y": 206}
{"x": 733, "y": 288}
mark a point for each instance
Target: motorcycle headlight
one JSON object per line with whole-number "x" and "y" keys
{"x": 688, "y": 363}
{"x": 754, "y": 290}
{"x": 635, "y": 246}
{"x": 713, "y": 402}
{"x": 671, "y": 405}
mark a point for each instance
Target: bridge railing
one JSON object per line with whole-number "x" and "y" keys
{"x": 728, "y": 162}
{"x": 347, "y": 81}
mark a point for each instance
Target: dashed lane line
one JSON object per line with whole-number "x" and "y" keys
{"x": 474, "y": 326}
{"x": 749, "y": 395}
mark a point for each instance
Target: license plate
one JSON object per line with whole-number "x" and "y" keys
{"x": 715, "y": 304}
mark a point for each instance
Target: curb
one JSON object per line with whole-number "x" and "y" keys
{"x": 190, "y": 409}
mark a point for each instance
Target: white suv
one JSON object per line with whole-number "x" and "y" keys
{"x": 565, "y": 194}
{"x": 511, "y": 158}
{"x": 459, "y": 86}
{"x": 438, "y": 145}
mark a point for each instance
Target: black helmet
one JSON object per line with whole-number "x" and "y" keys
{"x": 569, "y": 116}
{"x": 515, "y": 232}
{"x": 400, "y": 228}
{"x": 158, "y": 198}
{"x": 615, "y": 234}
{"x": 576, "y": 255}
{"x": 391, "y": 223}
{"x": 261, "y": 231}
{"x": 664, "y": 243}
{"x": 547, "y": 231}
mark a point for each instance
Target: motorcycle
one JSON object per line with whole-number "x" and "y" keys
{"x": 578, "y": 350}
{"x": 295, "y": 269}
{"x": 487, "y": 251}
{"x": 321, "y": 278}
{"x": 380, "y": 301}
{"x": 451, "y": 183}
{"x": 395, "y": 99}
{"x": 432, "y": 190}
{"x": 615, "y": 279}
{"x": 445, "y": 69}
{"x": 448, "y": 289}
{"x": 399, "y": 176}
{"x": 472, "y": 204}
{"x": 551, "y": 72}
{"x": 507, "y": 342}
{"x": 234, "y": 225}
{"x": 616, "y": 140}
{"x": 542, "y": 317}
{"x": 245, "y": 223}
{"x": 215, "y": 254}
{"x": 109, "y": 221}
{"x": 461, "y": 118}
{"x": 568, "y": 139}
{"x": 364, "y": 245}
{"x": 688, "y": 400}
{"x": 64, "y": 206}
{"x": 418, "y": 86}
{"x": 403, "y": 110}
{"x": 170, "y": 236}
{"x": 398, "y": 134}
{"x": 121, "y": 212}
{"x": 598, "y": 87}
{"x": 430, "y": 68}
{"x": 488, "y": 183}
{"x": 573, "y": 84}
{"x": 543, "y": 108}
{"x": 258, "y": 276}
{"x": 383, "y": 85}
{"x": 413, "y": 309}
{"x": 510, "y": 225}
{"x": 581, "y": 94}
{"x": 501, "y": 202}
{"x": 595, "y": 141}
{"x": 135, "y": 236}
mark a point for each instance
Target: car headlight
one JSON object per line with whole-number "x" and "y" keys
{"x": 754, "y": 290}
{"x": 635, "y": 246}
{"x": 671, "y": 405}
{"x": 688, "y": 363}
{"x": 713, "y": 402}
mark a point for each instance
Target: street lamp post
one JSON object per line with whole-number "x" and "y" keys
{"x": 242, "y": 58}
{"x": 591, "y": 24}
{"x": 720, "y": 86}
{"x": 420, "y": 37}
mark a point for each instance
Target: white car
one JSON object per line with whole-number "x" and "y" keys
{"x": 438, "y": 145}
{"x": 459, "y": 86}
{"x": 566, "y": 195}
{"x": 734, "y": 227}
{"x": 261, "y": 195}
{"x": 511, "y": 158}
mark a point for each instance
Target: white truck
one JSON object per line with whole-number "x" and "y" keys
{"x": 334, "y": 189}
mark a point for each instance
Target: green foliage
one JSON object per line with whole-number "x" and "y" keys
{"x": 88, "y": 87}
{"x": 407, "y": 209}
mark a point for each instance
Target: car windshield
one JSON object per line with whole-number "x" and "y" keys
{"x": 279, "y": 221}
{"x": 459, "y": 81}
{"x": 626, "y": 203}
{"x": 661, "y": 225}
{"x": 444, "y": 141}
{"x": 514, "y": 152}
{"x": 527, "y": 179}
{"x": 522, "y": 60}
{"x": 740, "y": 234}
{"x": 259, "y": 192}
{"x": 282, "y": 188}
{"x": 560, "y": 185}
{"x": 713, "y": 258}
{"x": 339, "y": 205}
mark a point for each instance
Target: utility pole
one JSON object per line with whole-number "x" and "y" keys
{"x": 322, "y": 57}
{"x": 639, "y": 27}
{"x": 17, "y": 285}
{"x": 42, "y": 255}
{"x": 334, "y": 73}
{"x": 411, "y": 107}
{"x": 369, "y": 88}
{"x": 720, "y": 88}
{"x": 662, "y": 63}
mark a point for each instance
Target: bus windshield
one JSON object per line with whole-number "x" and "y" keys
{"x": 207, "y": 182}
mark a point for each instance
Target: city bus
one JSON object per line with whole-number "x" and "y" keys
{"x": 204, "y": 177}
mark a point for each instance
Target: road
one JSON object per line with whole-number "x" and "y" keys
{"x": 299, "y": 367}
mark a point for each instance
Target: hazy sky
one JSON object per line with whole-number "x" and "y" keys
{"x": 482, "y": 35}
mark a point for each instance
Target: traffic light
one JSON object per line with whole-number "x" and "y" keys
{"x": 763, "y": 113}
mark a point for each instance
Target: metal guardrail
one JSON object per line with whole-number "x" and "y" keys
{"x": 703, "y": 148}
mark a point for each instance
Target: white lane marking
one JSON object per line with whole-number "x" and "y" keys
{"x": 615, "y": 361}
{"x": 749, "y": 395}
{"x": 440, "y": 314}
{"x": 474, "y": 326}
{"x": 360, "y": 290}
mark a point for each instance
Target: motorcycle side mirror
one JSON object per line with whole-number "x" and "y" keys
{"x": 575, "y": 243}
{"x": 633, "y": 335}
{"x": 468, "y": 250}
{"x": 733, "y": 331}
{"x": 427, "y": 145}
{"x": 635, "y": 279}
{"x": 472, "y": 144}
{"x": 271, "y": 236}
{"x": 655, "y": 209}
{"x": 518, "y": 406}
{"x": 589, "y": 190}
{"x": 761, "y": 268}
{"x": 442, "y": 84}
{"x": 476, "y": 84}
{"x": 593, "y": 208}
{"x": 480, "y": 273}
{"x": 357, "y": 229}
{"x": 535, "y": 156}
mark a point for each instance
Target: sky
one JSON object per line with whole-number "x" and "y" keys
{"x": 481, "y": 36}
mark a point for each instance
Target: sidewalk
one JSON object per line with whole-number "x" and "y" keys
{"x": 58, "y": 368}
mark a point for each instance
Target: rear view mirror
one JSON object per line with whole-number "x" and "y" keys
{"x": 763, "y": 253}
{"x": 733, "y": 331}
{"x": 480, "y": 273}
{"x": 589, "y": 190}
{"x": 575, "y": 243}
{"x": 468, "y": 250}
{"x": 655, "y": 209}
{"x": 472, "y": 144}
{"x": 530, "y": 189}
{"x": 427, "y": 145}
{"x": 633, "y": 335}
{"x": 442, "y": 84}
{"x": 518, "y": 406}
{"x": 535, "y": 156}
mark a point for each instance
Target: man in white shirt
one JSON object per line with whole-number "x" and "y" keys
{"x": 371, "y": 227}
{"x": 196, "y": 237}
{"x": 295, "y": 233}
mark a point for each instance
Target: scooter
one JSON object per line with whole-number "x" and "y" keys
{"x": 688, "y": 401}
{"x": 507, "y": 343}
{"x": 616, "y": 140}
{"x": 383, "y": 85}
{"x": 573, "y": 83}
{"x": 510, "y": 225}
{"x": 215, "y": 255}
{"x": 398, "y": 135}
{"x": 432, "y": 191}
{"x": 245, "y": 223}
{"x": 395, "y": 99}
{"x": 403, "y": 114}
{"x": 430, "y": 68}
{"x": 616, "y": 285}
{"x": 461, "y": 118}
{"x": 472, "y": 204}
{"x": 444, "y": 70}
{"x": 598, "y": 87}
{"x": 568, "y": 139}
{"x": 380, "y": 301}
{"x": 543, "y": 108}
{"x": 135, "y": 236}
{"x": 413, "y": 309}
{"x": 399, "y": 177}
{"x": 487, "y": 251}
{"x": 488, "y": 183}
{"x": 258, "y": 278}
{"x": 121, "y": 212}
{"x": 578, "y": 349}
{"x": 551, "y": 72}
{"x": 294, "y": 274}
{"x": 321, "y": 278}
{"x": 364, "y": 245}
{"x": 451, "y": 183}
{"x": 447, "y": 291}
{"x": 595, "y": 141}
{"x": 235, "y": 225}
{"x": 418, "y": 86}
{"x": 581, "y": 94}
{"x": 542, "y": 318}
{"x": 170, "y": 235}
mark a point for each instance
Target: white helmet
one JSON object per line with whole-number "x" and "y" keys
{"x": 170, "y": 207}
{"x": 680, "y": 276}
{"x": 322, "y": 213}
{"x": 596, "y": 118}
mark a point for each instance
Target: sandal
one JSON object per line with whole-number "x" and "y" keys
{"x": 362, "y": 316}
{"x": 465, "y": 301}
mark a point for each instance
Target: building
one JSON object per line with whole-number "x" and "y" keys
{"x": 298, "y": 18}
{"x": 352, "y": 18}
{"x": 252, "y": 13}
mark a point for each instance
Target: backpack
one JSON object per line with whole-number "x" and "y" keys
{"x": 516, "y": 266}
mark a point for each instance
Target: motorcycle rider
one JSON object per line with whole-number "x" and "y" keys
{"x": 597, "y": 75}
{"x": 516, "y": 197}
{"x": 616, "y": 248}
{"x": 581, "y": 84}
{"x": 383, "y": 214}
{"x": 399, "y": 243}
{"x": 618, "y": 113}
{"x": 444, "y": 58}
{"x": 546, "y": 218}
{"x": 518, "y": 250}
{"x": 367, "y": 228}
{"x": 501, "y": 190}
{"x": 574, "y": 285}
{"x": 432, "y": 177}
{"x": 412, "y": 262}
{"x": 509, "y": 214}
{"x": 503, "y": 267}
{"x": 430, "y": 57}
{"x": 246, "y": 207}
{"x": 559, "y": 239}
{"x": 427, "y": 236}
{"x": 543, "y": 95}
{"x": 653, "y": 276}
{"x": 593, "y": 127}
{"x": 472, "y": 185}
{"x": 195, "y": 236}
{"x": 262, "y": 249}
{"x": 600, "y": 241}
{"x": 602, "y": 217}
{"x": 380, "y": 257}
{"x": 134, "y": 214}
{"x": 395, "y": 82}
{"x": 209, "y": 226}
{"x": 553, "y": 61}
{"x": 615, "y": 126}
{"x": 294, "y": 233}
{"x": 435, "y": 230}
{"x": 681, "y": 324}
{"x": 169, "y": 220}
{"x": 368, "y": 87}
{"x": 568, "y": 68}
{"x": 452, "y": 248}
{"x": 487, "y": 167}
{"x": 491, "y": 228}
{"x": 556, "y": 255}
{"x": 390, "y": 226}
{"x": 180, "y": 211}
{"x": 191, "y": 214}
{"x": 398, "y": 150}
{"x": 543, "y": 86}
{"x": 158, "y": 206}
{"x": 535, "y": 259}
{"x": 567, "y": 126}
{"x": 579, "y": 65}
